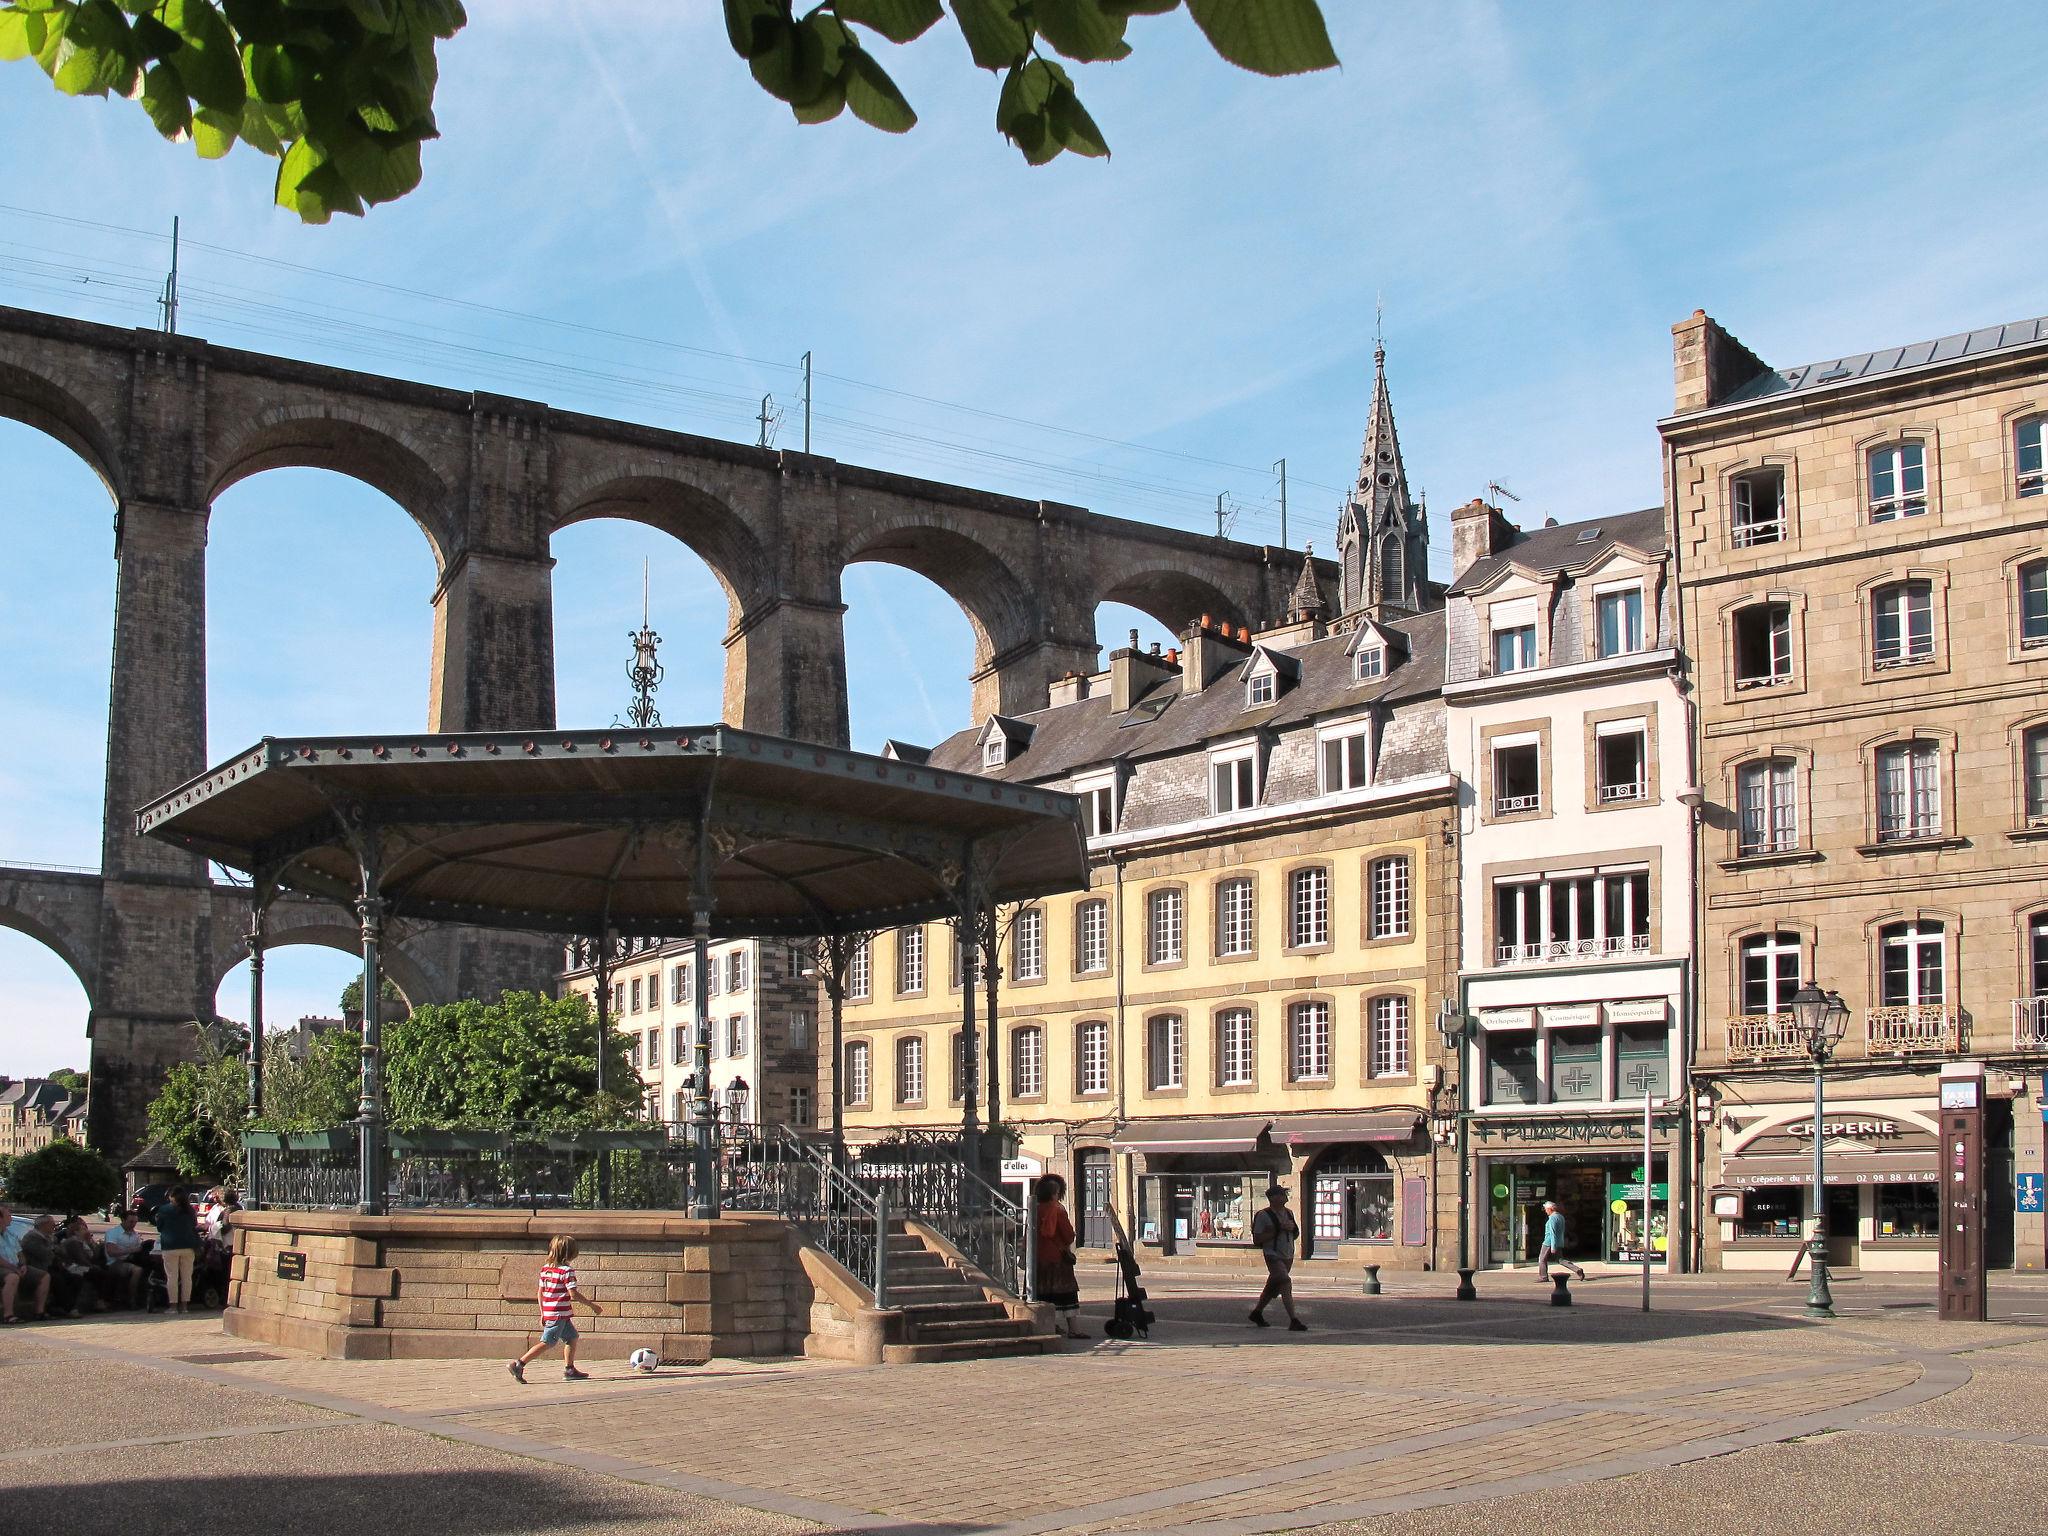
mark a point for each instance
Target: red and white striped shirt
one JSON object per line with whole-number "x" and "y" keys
{"x": 556, "y": 1282}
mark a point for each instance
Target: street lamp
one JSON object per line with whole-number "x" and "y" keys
{"x": 1821, "y": 1018}
{"x": 1456, "y": 1027}
{"x": 736, "y": 1101}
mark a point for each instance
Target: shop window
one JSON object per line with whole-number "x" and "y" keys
{"x": 1308, "y": 907}
{"x": 1772, "y": 1213}
{"x": 1517, "y": 779}
{"x": 1908, "y": 791}
{"x": 1898, "y": 481}
{"x": 1091, "y": 936}
{"x": 1027, "y": 945}
{"x": 859, "y": 1079}
{"x": 1902, "y": 625}
{"x": 1763, "y": 645}
{"x": 1642, "y": 1060}
{"x": 1387, "y": 891}
{"x": 1511, "y": 1070}
{"x": 1166, "y": 1042}
{"x": 1387, "y": 1026}
{"x": 1354, "y": 1197}
{"x": 1027, "y": 1062}
{"x": 1620, "y": 618}
{"x": 1234, "y": 931}
{"x": 1164, "y": 929}
{"x": 1091, "y": 1058}
{"x": 1577, "y": 1073}
{"x": 1767, "y": 802}
{"x": 1759, "y": 508}
{"x": 1913, "y": 969}
{"x": 1237, "y": 1062}
{"x": 1624, "y": 761}
{"x": 1308, "y": 1042}
{"x": 910, "y": 1070}
{"x": 1770, "y": 973}
{"x": 1909, "y": 1210}
{"x": 1213, "y": 1208}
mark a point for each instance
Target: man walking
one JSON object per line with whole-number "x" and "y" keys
{"x": 1276, "y": 1232}
{"x": 1553, "y": 1245}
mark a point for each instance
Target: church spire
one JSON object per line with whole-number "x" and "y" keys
{"x": 1380, "y": 534}
{"x": 1306, "y": 601}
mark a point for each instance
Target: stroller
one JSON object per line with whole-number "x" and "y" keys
{"x": 1131, "y": 1318}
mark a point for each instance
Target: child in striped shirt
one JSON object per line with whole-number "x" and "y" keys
{"x": 558, "y": 1293}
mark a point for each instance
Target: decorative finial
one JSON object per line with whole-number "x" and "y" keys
{"x": 1379, "y": 331}
{"x": 646, "y": 672}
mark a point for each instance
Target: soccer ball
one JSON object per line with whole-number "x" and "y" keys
{"x": 643, "y": 1360}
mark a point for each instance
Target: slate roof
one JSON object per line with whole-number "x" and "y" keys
{"x": 1549, "y": 550}
{"x": 1842, "y": 370}
{"x": 1074, "y": 737}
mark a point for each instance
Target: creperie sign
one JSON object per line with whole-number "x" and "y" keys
{"x": 1803, "y": 1129}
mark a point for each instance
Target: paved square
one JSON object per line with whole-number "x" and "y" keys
{"x": 1407, "y": 1411}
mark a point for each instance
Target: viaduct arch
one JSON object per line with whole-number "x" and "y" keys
{"x": 168, "y": 422}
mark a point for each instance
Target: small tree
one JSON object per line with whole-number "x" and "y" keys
{"x": 69, "y": 1078}
{"x": 524, "y": 1058}
{"x": 315, "y": 1091}
{"x": 198, "y": 1113}
{"x": 64, "y": 1176}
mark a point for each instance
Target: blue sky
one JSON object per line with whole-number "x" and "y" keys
{"x": 1537, "y": 194}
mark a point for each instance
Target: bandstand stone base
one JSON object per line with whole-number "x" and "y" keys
{"x": 461, "y": 1284}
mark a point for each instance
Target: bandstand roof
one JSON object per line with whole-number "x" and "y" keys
{"x": 576, "y": 832}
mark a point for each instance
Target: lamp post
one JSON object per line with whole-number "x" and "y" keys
{"x": 1455, "y": 1026}
{"x": 1821, "y": 1019}
{"x": 736, "y": 1093}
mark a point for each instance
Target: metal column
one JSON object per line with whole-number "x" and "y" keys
{"x": 370, "y": 1110}
{"x": 704, "y": 1174}
{"x": 258, "y": 910}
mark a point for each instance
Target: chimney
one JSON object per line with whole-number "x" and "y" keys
{"x": 1477, "y": 531}
{"x": 1131, "y": 672}
{"x": 1208, "y": 651}
{"x": 1071, "y": 689}
{"x": 1707, "y": 364}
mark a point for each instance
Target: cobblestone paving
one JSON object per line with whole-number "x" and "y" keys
{"x": 1395, "y": 1408}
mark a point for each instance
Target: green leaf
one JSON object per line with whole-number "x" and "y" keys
{"x": 214, "y": 132}
{"x": 209, "y": 62}
{"x": 996, "y": 38}
{"x": 1070, "y": 123}
{"x": 96, "y": 55}
{"x": 873, "y": 95}
{"x": 1140, "y": 7}
{"x": 753, "y": 26}
{"x": 1081, "y": 30}
{"x": 377, "y": 172}
{"x": 378, "y": 16}
{"x": 311, "y": 187}
{"x": 275, "y": 73}
{"x": 21, "y": 35}
{"x": 260, "y": 129}
{"x": 164, "y": 99}
{"x": 900, "y": 21}
{"x": 154, "y": 39}
{"x": 1021, "y": 111}
{"x": 1268, "y": 37}
{"x": 829, "y": 104}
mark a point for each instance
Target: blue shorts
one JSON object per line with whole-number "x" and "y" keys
{"x": 563, "y": 1332}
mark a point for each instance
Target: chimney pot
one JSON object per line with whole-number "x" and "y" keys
{"x": 1206, "y": 621}
{"x": 1134, "y": 639}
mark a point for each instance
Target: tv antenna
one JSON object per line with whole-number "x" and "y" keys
{"x": 1495, "y": 490}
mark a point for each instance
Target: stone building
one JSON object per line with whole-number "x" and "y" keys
{"x": 763, "y": 1005}
{"x": 1862, "y": 556}
{"x": 1243, "y": 992}
{"x": 34, "y": 1111}
{"x": 1567, "y": 736}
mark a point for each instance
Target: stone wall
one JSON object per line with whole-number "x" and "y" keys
{"x": 455, "y": 1284}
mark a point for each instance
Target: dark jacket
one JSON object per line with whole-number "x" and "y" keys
{"x": 176, "y": 1226}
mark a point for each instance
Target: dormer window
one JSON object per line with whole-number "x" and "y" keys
{"x": 995, "y": 752}
{"x": 1098, "y": 805}
{"x": 1514, "y": 648}
{"x": 1621, "y": 621}
{"x": 1233, "y": 780}
{"x": 1369, "y": 662}
{"x": 1260, "y": 688}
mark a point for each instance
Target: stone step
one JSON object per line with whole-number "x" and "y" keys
{"x": 971, "y": 1349}
{"x": 919, "y": 1263}
{"x": 908, "y": 1296}
{"x": 961, "y": 1311}
{"x": 923, "y": 1332}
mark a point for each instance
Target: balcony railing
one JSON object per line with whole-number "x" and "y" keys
{"x": 1763, "y": 680}
{"x": 1572, "y": 949}
{"x": 1509, "y": 805}
{"x": 2030, "y": 1023}
{"x": 1763, "y": 531}
{"x": 1634, "y": 789}
{"x": 1915, "y": 1028}
{"x": 1765, "y": 1037}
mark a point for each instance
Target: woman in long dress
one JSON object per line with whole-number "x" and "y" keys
{"x": 1054, "y": 1274}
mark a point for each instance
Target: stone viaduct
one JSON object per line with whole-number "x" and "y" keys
{"x": 169, "y": 422}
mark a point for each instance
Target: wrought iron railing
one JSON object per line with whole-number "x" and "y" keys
{"x": 307, "y": 1172}
{"x": 807, "y": 1188}
{"x": 2030, "y": 1023}
{"x": 1899, "y": 1031}
{"x": 921, "y": 1174}
{"x": 1765, "y": 1037}
{"x": 1572, "y": 949}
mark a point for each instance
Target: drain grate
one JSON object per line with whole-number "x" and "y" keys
{"x": 231, "y": 1357}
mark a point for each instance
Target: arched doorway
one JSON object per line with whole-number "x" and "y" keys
{"x": 1351, "y": 1198}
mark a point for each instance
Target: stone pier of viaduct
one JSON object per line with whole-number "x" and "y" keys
{"x": 169, "y": 422}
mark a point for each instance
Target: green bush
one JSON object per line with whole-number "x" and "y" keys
{"x": 63, "y": 1176}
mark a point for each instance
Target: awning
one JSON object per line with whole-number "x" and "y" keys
{"x": 1365, "y": 1125}
{"x": 1238, "y": 1135}
{"x": 1842, "y": 1168}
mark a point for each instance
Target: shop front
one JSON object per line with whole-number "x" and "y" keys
{"x": 1200, "y": 1182}
{"x": 1881, "y": 1199}
{"x": 1596, "y": 1171}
